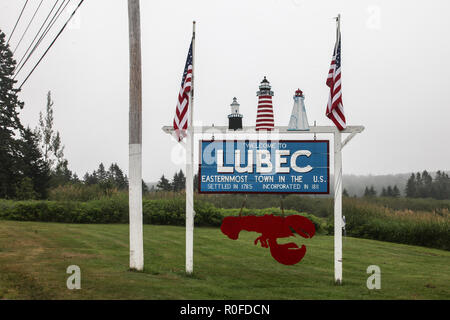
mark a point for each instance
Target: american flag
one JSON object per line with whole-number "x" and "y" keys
{"x": 180, "y": 122}
{"x": 335, "y": 109}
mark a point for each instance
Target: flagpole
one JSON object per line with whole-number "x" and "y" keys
{"x": 338, "y": 194}
{"x": 338, "y": 25}
{"x": 189, "y": 170}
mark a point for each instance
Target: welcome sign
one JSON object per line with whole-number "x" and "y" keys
{"x": 246, "y": 166}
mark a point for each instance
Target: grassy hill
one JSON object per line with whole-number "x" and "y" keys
{"x": 34, "y": 257}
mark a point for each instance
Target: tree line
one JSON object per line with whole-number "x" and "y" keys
{"x": 113, "y": 178}
{"x": 178, "y": 182}
{"x": 419, "y": 185}
{"x": 424, "y": 186}
{"x": 390, "y": 191}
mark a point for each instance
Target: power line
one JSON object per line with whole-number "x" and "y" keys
{"x": 51, "y": 23}
{"x": 55, "y": 17}
{"x": 19, "y": 66}
{"x": 17, "y": 22}
{"x": 32, "y": 18}
{"x": 37, "y": 33}
{"x": 54, "y": 40}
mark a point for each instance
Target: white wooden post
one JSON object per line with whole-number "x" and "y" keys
{"x": 337, "y": 207}
{"x": 190, "y": 172}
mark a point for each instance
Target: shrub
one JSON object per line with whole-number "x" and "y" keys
{"x": 115, "y": 210}
{"x": 365, "y": 218}
{"x": 371, "y": 221}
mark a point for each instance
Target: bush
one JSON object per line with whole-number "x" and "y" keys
{"x": 365, "y": 218}
{"x": 96, "y": 211}
{"x": 415, "y": 204}
{"x": 115, "y": 210}
{"x": 371, "y": 221}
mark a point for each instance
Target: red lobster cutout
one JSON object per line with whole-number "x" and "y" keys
{"x": 271, "y": 228}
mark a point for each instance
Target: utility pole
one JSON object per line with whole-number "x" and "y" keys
{"x": 135, "y": 139}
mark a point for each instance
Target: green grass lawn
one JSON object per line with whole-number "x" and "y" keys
{"x": 34, "y": 257}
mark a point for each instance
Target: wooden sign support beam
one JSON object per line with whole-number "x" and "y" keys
{"x": 280, "y": 129}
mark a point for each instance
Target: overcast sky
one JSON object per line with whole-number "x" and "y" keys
{"x": 395, "y": 74}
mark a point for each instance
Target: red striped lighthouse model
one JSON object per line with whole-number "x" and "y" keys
{"x": 264, "y": 116}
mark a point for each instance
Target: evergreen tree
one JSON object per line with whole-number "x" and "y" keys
{"x": 345, "y": 193}
{"x": 34, "y": 167}
{"x": 419, "y": 185}
{"x": 427, "y": 181}
{"x": 113, "y": 178}
{"x": 372, "y": 192}
{"x": 144, "y": 187}
{"x": 164, "y": 184}
{"x": 25, "y": 190}
{"x": 441, "y": 186}
{"x": 439, "y": 190}
{"x": 395, "y": 192}
{"x": 116, "y": 174}
{"x": 182, "y": 179}
{"x": 411, "y": 190}
{"x": 75, "y": 178}
{"x": 445, "y": 187}
{"x": 179, "y": 181}
{"x": 383, "y": 192}
{"x": 195, "y": 182}
{"x": 10, "y": 126}
{"x": 389, "y": 192}
{"x": 175, "y": 182}
{"x": 101, "y": 173}
{"x": 366, "y": 192}
{"x": 86, "y": 178}
{"x": 61, "y": 175}
{"x": 90, "y": 179}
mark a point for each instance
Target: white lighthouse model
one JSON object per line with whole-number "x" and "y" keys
{"x": 299, "y": 120}
{"x": 235, "y": 118}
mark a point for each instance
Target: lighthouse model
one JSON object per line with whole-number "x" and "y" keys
{"x": 264, "y": 115}
{"x": 299, "y": 120}
{"x": 235, "y": 118}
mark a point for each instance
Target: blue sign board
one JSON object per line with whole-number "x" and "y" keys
{"x": 246, "y": 166}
